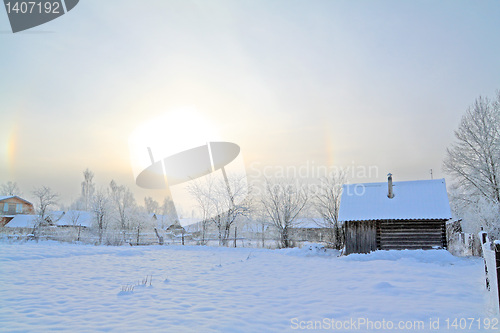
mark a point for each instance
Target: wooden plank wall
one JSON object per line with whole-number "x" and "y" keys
{"x": 399, "y": 235}
{"x": 360, "y": 237}
{"x": 27, "y": 208}
{"x": 367, "y": 236}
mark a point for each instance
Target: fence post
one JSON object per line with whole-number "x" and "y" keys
{"x": 497, "y": 264}
{"x": 484, "y": 240}
{"x": 160, "y": 238}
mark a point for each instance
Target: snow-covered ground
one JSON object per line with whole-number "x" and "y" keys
{"x": 59, "y": 287}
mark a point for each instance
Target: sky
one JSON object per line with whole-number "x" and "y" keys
{"x": 370, "y": 85}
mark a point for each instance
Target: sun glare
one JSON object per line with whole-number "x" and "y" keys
{"x": 170, "y": 133}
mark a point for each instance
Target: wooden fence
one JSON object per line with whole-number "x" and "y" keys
{"x": 462, "y": 244}
{"x": 491, "y": 255}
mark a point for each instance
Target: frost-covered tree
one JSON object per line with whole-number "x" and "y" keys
{"x": 101, "y": 209}
{"x": 139, "y": 222}
{"x": 326, "y": 202}
{"x": 202, "y": 194}
{"x": 222, "y": 202}
{"x": 168, "y": 214}
{"x": 45, "y": 198}
{"x": 10, "y": 188}
{"x": 473, "y": 161}
{"x": 261, "y": 223}
{"x": 474, "y": 158}
{"x": 283, "y": 201}
{"x": 75, "y": 217}
{"x": 123, "y": 202}
{"x": 88, "y": 188}
{"x": 151, "y": 205}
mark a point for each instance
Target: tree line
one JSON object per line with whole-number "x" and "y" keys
{"x": 472, "y": 161}
{"x": 221, "y": 205}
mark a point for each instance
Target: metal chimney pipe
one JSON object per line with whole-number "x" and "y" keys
{"x": 390, "y": 194}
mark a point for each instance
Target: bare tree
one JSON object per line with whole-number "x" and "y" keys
{"x": 123, "y": 201}
{"x": 139, "y": 221}
{"x": 75, "y": 218}
{"x": 100, "y": 208}
{"x": 474, "y": 162}
{"x": 283, "y": 201}
{"x": 326, "y": 202}
{"x": 202, "y": 193}
{"x": 45, "y": 199}
{"x": 262, "y": 224}
{"x": 221, "y": 201}
{"x": 88, "y": 188}
{"x": 152, "y": 207}
{"x": 10, "y": 188}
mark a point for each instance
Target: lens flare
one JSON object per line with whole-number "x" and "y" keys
{"x": 10, "y": 148}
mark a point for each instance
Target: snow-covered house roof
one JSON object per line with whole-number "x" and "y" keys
{"x": 53, "y": 216}
{"x": 6, "y": 197}
{"x": 74, "y": 218}
{"x": 309, "y": 223}
{"x": 22, "y": 221}
{"x": 186, "y": 221}
{"x": 57, "y": 218}
{"x": 413, "y": 200}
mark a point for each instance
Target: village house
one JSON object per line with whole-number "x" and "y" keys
{"x": 70, "y": 218}
{"x": 310, "y": 230}
{"x": 394, "y": 215}
{"x": 12, "y": 205}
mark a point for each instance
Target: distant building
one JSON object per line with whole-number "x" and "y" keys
{"x": 70, "y": 218}
{"x": 399, "y": 215}
{"x": 73, "y": 218}
{"x": 310, "y": 230}
{"x": 12, "y": 205}
{"x": 23, "y": 221}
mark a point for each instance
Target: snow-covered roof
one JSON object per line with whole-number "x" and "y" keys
{"x": 5, "y": 197}
{"x": 22, "y": 221}
{"x": 58, "y": 218}
{"x": 421, "y": 199}
{"x": 308, "y": 222}
{"x": 159, "y": 217}
{"x": 185, "y": 221}
{"x": 53, "y": 216}
{"x": 75, "y": 218}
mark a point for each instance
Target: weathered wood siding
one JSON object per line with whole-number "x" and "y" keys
{"x": 27, "y": 208}
{"x": 367, "y": 236}
{"x": 360, "y": 237}
{"x": 400, "y": 235}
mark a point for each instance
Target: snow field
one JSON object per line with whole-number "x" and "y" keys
{"x": 77, "y": 288}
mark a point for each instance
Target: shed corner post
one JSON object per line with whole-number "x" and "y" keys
{"x": 497, "y": 266}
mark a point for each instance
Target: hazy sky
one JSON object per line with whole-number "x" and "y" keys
{"x": 329, "y": 83}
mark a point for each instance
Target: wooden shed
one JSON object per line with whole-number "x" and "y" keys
{"x": 394, "y": 216}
